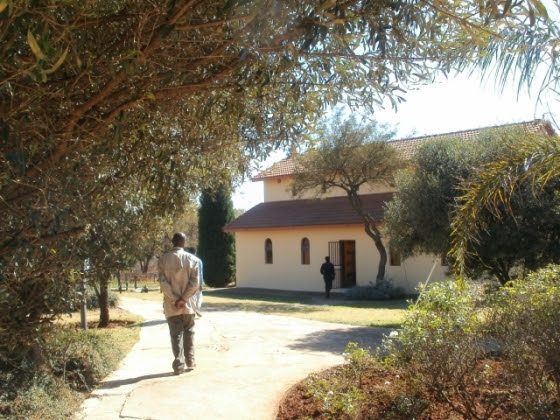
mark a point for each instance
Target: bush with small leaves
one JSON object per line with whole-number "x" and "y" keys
{"x": 92, "y": 301}
{"x": 45, "y": 397}
{"x": 80, "y": 358}
{"x": 382, "y": 291}
{"x": 339, "y": 397}
{"x": 358, "y": 360}
{"x": 525, "y": 321}
{"x": 443, "y": 344}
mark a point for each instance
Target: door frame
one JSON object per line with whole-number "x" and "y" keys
{"x": 342, "y": 254}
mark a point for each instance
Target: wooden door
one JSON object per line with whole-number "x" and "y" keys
{"x": 348, "y": 272}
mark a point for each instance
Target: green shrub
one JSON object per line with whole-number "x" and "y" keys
{"x": 339, "y": 394}
{"x": 442, "y": 344}
{"x": 383, "y": 291}
{"x": 358, "y": 361}
{"x": 408, "y": 406}
{"x": 46, "y": 397}
{"x": 81, "y": 358}
{"x": 348, "y": 391}
{"x": 92, "y": 302}
{"x": 525, "y": 320}
{"x": 76, "y": 361}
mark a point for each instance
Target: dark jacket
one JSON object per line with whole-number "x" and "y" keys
{"x": 327, "y": 270}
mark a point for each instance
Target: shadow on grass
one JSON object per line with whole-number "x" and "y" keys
{"x": 271, "y": 296}
{"x": 288, "y": 302}
{"x": 260, "y": 307}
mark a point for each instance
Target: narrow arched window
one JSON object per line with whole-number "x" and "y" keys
{"x": 305, "y": 258}
{"x": 268, "y": 251}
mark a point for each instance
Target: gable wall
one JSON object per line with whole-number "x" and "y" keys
{"x": 279, "y": 189}
{"x": 287, "y": 272}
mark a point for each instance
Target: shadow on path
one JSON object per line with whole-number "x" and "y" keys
{"x": 154, "y": 322}
{"x": 336, "y": 340}
{"x": 128, "y": 381}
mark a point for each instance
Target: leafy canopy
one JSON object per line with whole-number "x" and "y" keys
{"x": 520, "y": 187}
{"x": 418, "y": 219}
{"x": 504, "y": 237}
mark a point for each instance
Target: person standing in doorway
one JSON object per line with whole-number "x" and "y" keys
{"x": 178, "y": 277}
{"x": 327, "y": 270}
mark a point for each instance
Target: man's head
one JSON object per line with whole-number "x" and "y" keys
{"x": 328, "y": 259}
{"x": 179, "y": 239}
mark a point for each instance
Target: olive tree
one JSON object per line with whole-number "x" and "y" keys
{"x": 420, "y": 217}
{"x": 350, "y": 156}
{"x": 520, "y": 187}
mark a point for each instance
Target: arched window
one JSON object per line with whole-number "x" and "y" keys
{"x": 305, "y": 258}
{"x": 268, "y": 251}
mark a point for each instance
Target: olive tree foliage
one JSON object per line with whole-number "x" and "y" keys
{"x": 130, "y": 228}
{"x": 351, "y": 156}
{"x": 177, "y": 94}
{"x": 522, "y": 186}
{"x": 420, "y": 217}
{"x": 186, "y": 222}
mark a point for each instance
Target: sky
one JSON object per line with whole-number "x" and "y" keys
{"x": 459, "y": 103}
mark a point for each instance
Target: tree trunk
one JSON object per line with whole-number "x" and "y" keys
{"x": 372, "y": 231}
{"x": 145, "y": 263}
{"x": 501, "y": 271}
{"x": 38, "y": 356}
{"x": 374, "y": 234}
{"x": 103, "y": 298}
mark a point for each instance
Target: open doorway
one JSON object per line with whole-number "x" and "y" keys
{"x": 343, "y": 256}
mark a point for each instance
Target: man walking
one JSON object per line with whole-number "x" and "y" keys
{"x": 178, "y": 276}
{"x": 327, "y": 270}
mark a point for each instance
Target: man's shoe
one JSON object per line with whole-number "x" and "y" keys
{"x": 191, "y": 365}
{"x": 179, "y": 370}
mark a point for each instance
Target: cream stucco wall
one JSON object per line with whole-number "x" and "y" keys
{"x": 279, "y": 189}
{"x": 287, "y": 272}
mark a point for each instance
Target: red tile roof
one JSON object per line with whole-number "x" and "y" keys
{"x": 329, "y": 211}
{"x": 408, "y": 146}
{"x": 284, "y": 167}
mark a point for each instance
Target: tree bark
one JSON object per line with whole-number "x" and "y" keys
{"x": 501, "y": 271}
{"x": 145, "y": 263}
{"x": 373, "y": 232}
{"x": 103, "y": 301}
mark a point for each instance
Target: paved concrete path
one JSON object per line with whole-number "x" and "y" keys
{"x": 245, "y": 364}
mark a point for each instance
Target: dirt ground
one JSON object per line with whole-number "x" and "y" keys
{"x": 387, "y": 395}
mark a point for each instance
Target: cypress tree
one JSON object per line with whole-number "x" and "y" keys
{"x": 216, "y": 248}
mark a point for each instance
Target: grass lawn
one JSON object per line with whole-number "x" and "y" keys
{"x": 124, "y": 326}
{"x": 388, "y": 313}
